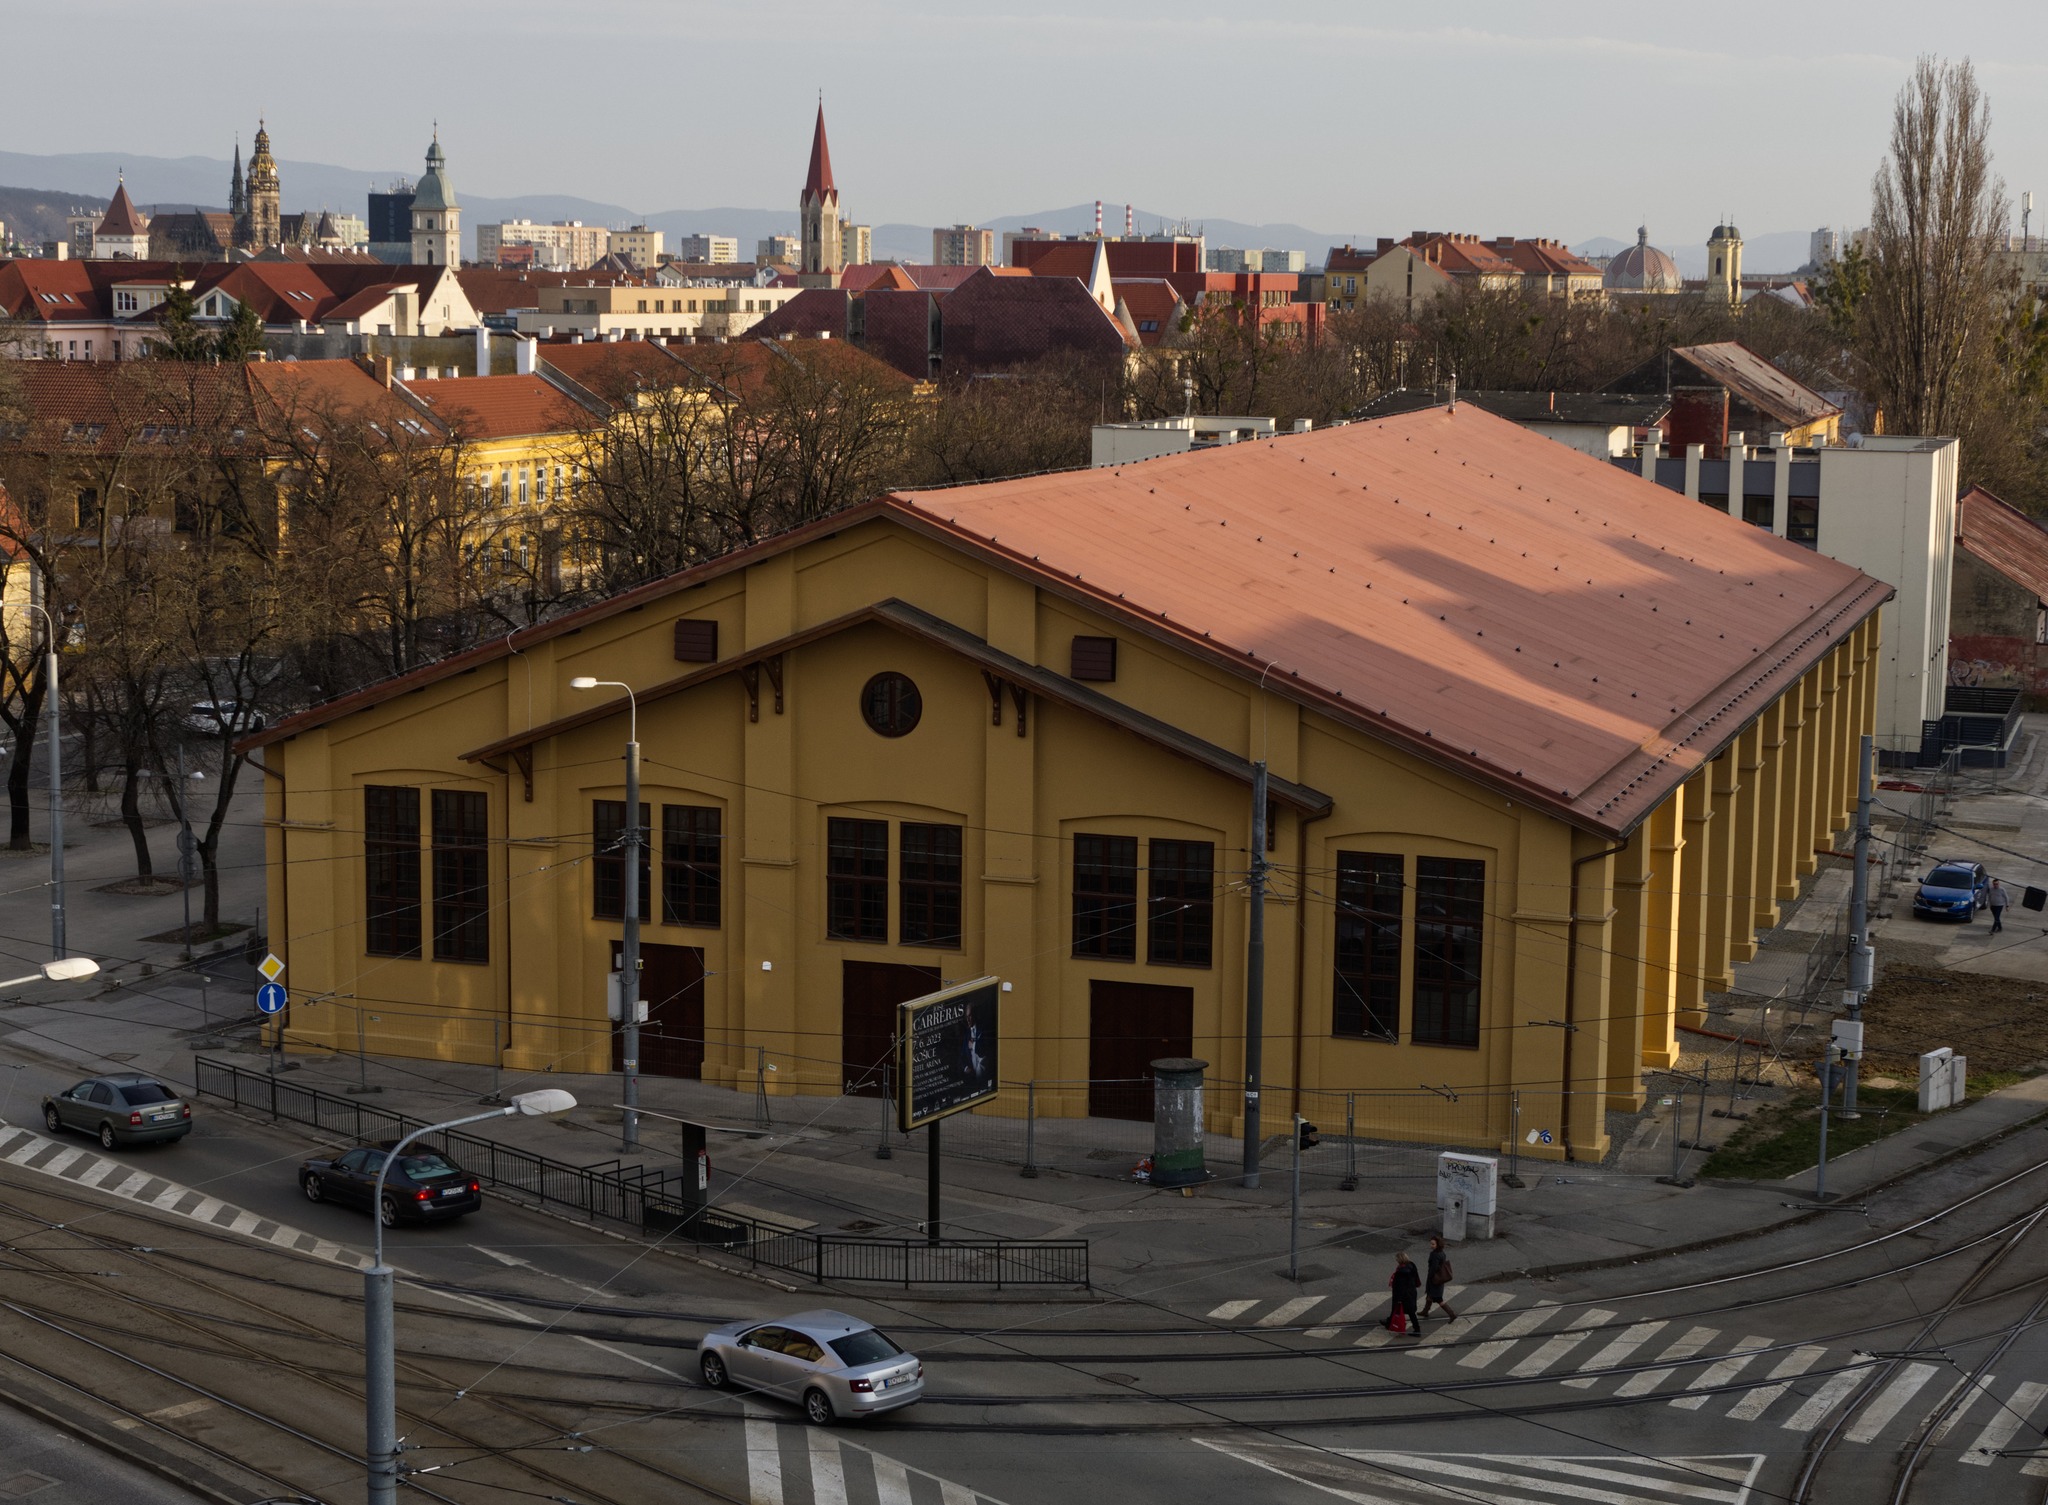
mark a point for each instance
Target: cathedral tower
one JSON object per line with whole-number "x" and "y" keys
{"x": 819, "y": 210}
{"x": 260, "y": 226}
{"x": 1724, "y": 264}
{"x": 238, "y": 195}
{"x": 436, "y": 217}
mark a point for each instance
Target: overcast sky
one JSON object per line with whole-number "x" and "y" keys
{"x": 1347, "y": 117}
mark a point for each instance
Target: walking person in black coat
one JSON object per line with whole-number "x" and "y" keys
{"x": 1439, "y": 1276}
{"x": 1405, "y": 1282}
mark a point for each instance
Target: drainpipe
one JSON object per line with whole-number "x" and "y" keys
{"x": 1303, "y": 821}
{"x": 1571, "y": 988}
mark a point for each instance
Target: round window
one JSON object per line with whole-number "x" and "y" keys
{"x": 890, "y": 704}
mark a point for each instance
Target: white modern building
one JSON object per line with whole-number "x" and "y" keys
{"x": 708, "y": 248}
{"x": 1886, "y": 506}
{"x": 562, "y": 245}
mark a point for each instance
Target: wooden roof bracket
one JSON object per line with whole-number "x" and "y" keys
{"x": 995, "y": 697}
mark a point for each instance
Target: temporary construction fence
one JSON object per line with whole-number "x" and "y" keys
{"x": 658, "y": 1200}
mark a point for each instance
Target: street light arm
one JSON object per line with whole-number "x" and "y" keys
{"x": 377, "y": 1199}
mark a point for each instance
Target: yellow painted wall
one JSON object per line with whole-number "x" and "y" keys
{"x": 1619, "y": 944}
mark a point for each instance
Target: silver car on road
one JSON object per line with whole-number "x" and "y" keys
{"x": 834, "y": 1365}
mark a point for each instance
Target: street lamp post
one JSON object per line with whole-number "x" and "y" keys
{"x": 64, "y": 969}
{"x": 57, "y": 948}
{"x": 629, "y": 973}
{"x": 380, "y": 1379}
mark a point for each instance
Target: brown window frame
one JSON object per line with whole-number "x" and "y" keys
{"x": 1365, "y": 995}
{"x": 608, "y": 862}
{"x": 857, "y": 879}
{"x": 692, "y": 868}
{"x": 1092, "y": 660}
{"x": 1449, "y": 952}
{"x": 1180, "y": 894}
{"x": 462, "y": 875}
{"x": 391, "y": 870}
{"x": 1106, "y": 897}
{"x": 928, "y": 884}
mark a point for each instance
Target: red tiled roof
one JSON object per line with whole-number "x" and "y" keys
{"x": 864, "y": 275}
{"x": 307, "y": 394}
{"x": 1349, "y": 259}
{"x": 51, "y": 292}
{"x": 993, "y": 323}
{"x": 1152, "y": 301}
{"x": 748, "y": 367}
{"x": 500, "y": 407}
{"x": 611, "y": 369}
{"x": 1485, "y": 596}
{"x": 818, "y": 181}
{"x": 2005, "y": 538}
{"x": 106, "y": 406}
{"x": 357, "y": 304}
{"x": 1547, "y": 258}
{"x": 812, "y": 312}
{"x": 121, "y": 218}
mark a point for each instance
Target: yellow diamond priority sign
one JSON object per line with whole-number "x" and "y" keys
{"x": 272, "y": 967}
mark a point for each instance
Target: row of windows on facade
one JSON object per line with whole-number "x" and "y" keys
{"x": 1802, "y": 517}
{"x": 1439, "y": 946}
{"x": 528, "y": 484}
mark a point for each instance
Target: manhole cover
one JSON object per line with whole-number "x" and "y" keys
{"x": 21, "y": 1486}
{"x": 1121, "y": 1379}
{"x": 858, "y": 1227}
{"x": 1109, "y": 1155}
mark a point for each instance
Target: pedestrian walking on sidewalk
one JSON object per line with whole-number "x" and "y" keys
{"x": 1439, "y": 1277}
{"x": 1405, "y": 1282}
{"x": 1999, "y": 899}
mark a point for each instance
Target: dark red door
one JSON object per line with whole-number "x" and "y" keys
{"x": 869, "y": 993}
{"x": 672, "y": 987}
{"x": 1131, "y": 1025}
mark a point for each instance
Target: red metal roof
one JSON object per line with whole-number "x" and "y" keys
{"x": 1487, "y": 597}
{"x": 1756, "y": 381}
{"x": 818, "y": 181}
{"x": 2005, "y": 538}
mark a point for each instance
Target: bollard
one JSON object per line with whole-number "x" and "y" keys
{"x": 1514, "y": 1177}
{"x": 1177, "y": 1158}
{"x": 1030, "y": 1171}
{"x": 882, "y": 1150}
{"x": 1350, "y": 1181}
{"x": 761, "y": 1118}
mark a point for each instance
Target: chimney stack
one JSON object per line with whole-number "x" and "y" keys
{"x": 483, "y": 351}
{"x": 1130, "y": 222}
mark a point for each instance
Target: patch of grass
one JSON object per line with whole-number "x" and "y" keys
{"x": 1784, "y": 1139}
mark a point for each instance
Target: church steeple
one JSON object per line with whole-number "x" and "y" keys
{"x": 238, "y": 196}
{"x": 818, "y": 209}
{"x": 261, "y": 223}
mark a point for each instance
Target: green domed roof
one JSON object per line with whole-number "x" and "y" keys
{"x": 434, "y": 190}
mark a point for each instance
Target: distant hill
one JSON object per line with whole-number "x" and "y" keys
{"x": 1781, "y": 251}
{"x": 36, "y": 214}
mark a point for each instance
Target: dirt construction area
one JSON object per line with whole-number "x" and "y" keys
{"x": 2000, "y": 1023}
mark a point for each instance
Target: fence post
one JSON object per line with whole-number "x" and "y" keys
{"x": 761, "y": 1119}
{"x": 818, "y": 1276}
{"x": 1350, "y": 1181}
{"x": 1030, "y": 1171}
{"x": 882, "y": 1150}
{"x": 273, "y": 1098}
{"x": 1515, "y": 1138}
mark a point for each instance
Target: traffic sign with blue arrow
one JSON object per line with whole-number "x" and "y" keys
{"x": 271, "y": 998}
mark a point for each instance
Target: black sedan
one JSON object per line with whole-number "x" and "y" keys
{"x": 120, "y": 1110}
{"x": 423, "y": 1187}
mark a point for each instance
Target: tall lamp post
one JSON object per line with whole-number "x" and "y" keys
{"x": 56, "y": 755}
{"x": 380, "y": 1380}
{"x": 629, "y": 959}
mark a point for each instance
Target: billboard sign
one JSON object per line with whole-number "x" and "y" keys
{"x": 946, "y": 1051}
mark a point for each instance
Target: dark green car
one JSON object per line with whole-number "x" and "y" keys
{"x": 120, "y": 1110}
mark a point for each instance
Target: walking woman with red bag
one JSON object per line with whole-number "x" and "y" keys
{"x": 1405, "y": 1282}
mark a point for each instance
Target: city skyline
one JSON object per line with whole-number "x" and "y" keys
{"x": 1489, "y": 126}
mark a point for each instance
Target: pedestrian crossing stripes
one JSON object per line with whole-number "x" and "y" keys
{"x": 1797, "y": 1387}
{"x": 789, "y": 1464}
{"x": 116, "y": 1178}
{"x": 1375, "y": 1477}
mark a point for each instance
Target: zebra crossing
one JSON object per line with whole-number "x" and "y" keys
{"x": 1378, "y": 1477}
{"x": 794, "y": 1464}
{"x": 117, "y": 1178}
{"x": 1687, "y": 1367}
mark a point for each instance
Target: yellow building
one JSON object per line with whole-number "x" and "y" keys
{"x": 1544, "y": 752}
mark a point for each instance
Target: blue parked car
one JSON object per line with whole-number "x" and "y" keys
{"x": 1953, "y": 891}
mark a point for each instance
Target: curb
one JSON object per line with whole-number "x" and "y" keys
{"x": 151, "y": 1460}
{"x": 1969, "y": 1147}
